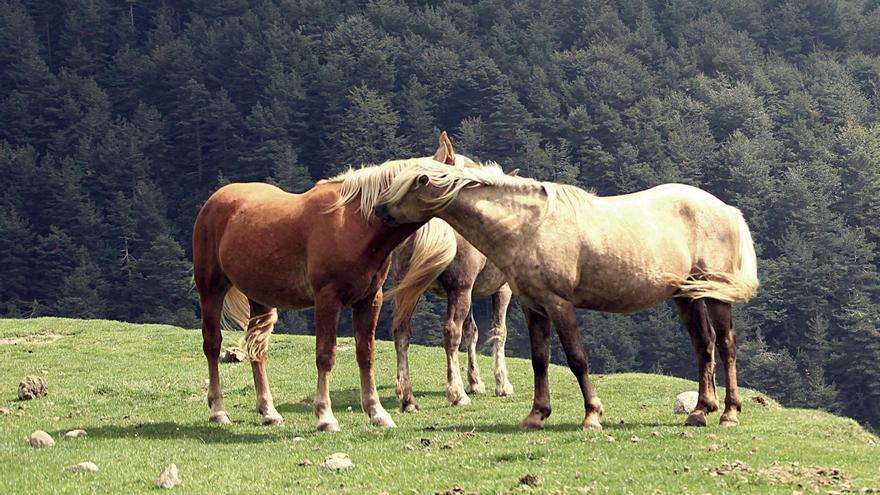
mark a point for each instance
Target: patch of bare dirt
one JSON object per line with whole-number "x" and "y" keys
{"x": 808, "y": 478}
{"x": 38, "y": 338}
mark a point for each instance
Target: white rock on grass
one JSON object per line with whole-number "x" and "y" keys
{"x": 168, "y": 478}
{"x": 40, "y": 438}
{"x": 337, "y": 462}
{"x": 75, "y": 433}
{"x": 685, "y": 402}
{"x": 83, "y": 467}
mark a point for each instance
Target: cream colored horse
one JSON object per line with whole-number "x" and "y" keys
{"x": 562, "y": 248}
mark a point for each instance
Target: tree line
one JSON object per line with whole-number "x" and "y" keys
{"x": 118, "y": 119}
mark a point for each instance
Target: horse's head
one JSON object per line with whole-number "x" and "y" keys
{"x": 421, "y": 192}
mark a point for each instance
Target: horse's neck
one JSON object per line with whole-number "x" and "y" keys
{"x": 385, "y": 239}
{"x": 497, "y": 219}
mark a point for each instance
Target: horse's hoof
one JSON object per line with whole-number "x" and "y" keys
{"x": 384, "y": 421}
{"x": 729, "y": 421}
{"x": 476, "y": 388}
{"x": 591, "y": 424}
{"x": 464, "y": 400}
{"x": 331, "y": 426}
{"x": 532, "y": 422}
{"x": 696, "y": 419}
{"x": 220, "y": 418}
{"x": 505, "y": 390}
{"x": 410, "y": 407}
{"x": 273, "y": 421}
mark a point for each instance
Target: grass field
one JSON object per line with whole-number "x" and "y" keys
{"x": 139, "y": 392}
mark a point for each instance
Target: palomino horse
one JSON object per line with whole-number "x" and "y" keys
{"x": 562, "y": 248}
{"x": 257, "y": 248}
{"x": 469, "y": 275}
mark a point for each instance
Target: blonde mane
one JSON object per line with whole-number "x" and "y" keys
{"x": 451, "y": 180}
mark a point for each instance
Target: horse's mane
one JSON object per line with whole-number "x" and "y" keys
{"x": 369, "y": 182}
{"x": 451, "y": 180}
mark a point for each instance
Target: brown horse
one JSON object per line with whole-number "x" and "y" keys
{"x": 563, "y": 248}
{"x": 257, "y": 248}
{"x": 469, "y": 275}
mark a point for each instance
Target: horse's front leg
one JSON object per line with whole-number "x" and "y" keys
{"x": 564, "y": 317}
{"x": 457, "y": 308}
{"x": 470, "y": 335}
{"x": 693, "y": 317}
{"x": 498, "y": 337}
{"x": 539, "y": 338}
{"x": 260, "y": 326}
{"x": 365, "y": 314}
{"x": 402, "y": 333}
{"x": 327, "y": 310}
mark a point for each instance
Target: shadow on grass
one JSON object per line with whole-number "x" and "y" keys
{"x": 350, "y": 397}
{"x": 513, "y": 427}
{"x": 208, "y": 433}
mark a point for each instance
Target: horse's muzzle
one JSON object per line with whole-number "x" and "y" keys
{"x": 381, "y": 211}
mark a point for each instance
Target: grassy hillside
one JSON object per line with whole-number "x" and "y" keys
{"x": 139, "y": 392}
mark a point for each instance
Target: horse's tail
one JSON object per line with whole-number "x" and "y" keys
{"x": 434, "y": 247}
{"x": 739, "y": 286}
{"x": 236, "y": 315}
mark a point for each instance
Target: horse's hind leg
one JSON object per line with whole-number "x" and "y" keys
{"x": 470, "y": 334}
{"x": 402, "y": 334}
{"x": 563, "y": 315}
{"x": 262, "y": 320}
{"x": 327, "y": 310}
{"x": 498, "y": 337}
{"x": 365, "y": 315}
{"x": 212, "y": 339}
{"x": 722, "y": 321}
{"x": 694, "y": 318}
{"x": 457, "y": 308}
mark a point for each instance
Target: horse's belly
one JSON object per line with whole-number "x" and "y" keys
{"x": 624, "y": 300}
{"x": 270, "y": 278}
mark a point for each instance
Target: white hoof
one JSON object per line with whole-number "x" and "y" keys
{"x": 220, "y": 417}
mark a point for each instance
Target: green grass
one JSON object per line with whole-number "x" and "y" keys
{"x": 139, "y": 392}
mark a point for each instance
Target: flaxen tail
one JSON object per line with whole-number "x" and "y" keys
{"x": 739, "y": 286}
{"x": 434, "y": 248}
{"x": 237, "y": 316}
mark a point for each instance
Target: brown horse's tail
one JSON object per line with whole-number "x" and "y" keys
{"x": 237, "y": 316}
{"x": 739, "y": 286}
{"x": 434, "y": 247}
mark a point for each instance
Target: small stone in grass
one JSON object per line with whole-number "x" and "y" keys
{"x": 609, "y": 438}
{"x": 83, "y": 467}
{"x": 714, "y": 447}
{"x": 304, "y": 462}
{"x": 298, "y": 439}
{"x": 40, "y": 438}
{"x": 634, "y": 439}
{"x": 168, "y": 478}
{"x": 31, "y": 387}
{"x": 233, "y": 355}
{"x": 337, "y": 462}
{"x": 5, "y": 411}
{"x": 75, "y": 433}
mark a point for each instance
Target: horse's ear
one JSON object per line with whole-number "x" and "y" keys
{"x": 513, "y": 173}
{"x": 445, "y": 153}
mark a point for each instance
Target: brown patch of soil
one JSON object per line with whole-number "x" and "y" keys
{"x": 809, "y": 478}
{"x": 38, "y": 338}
